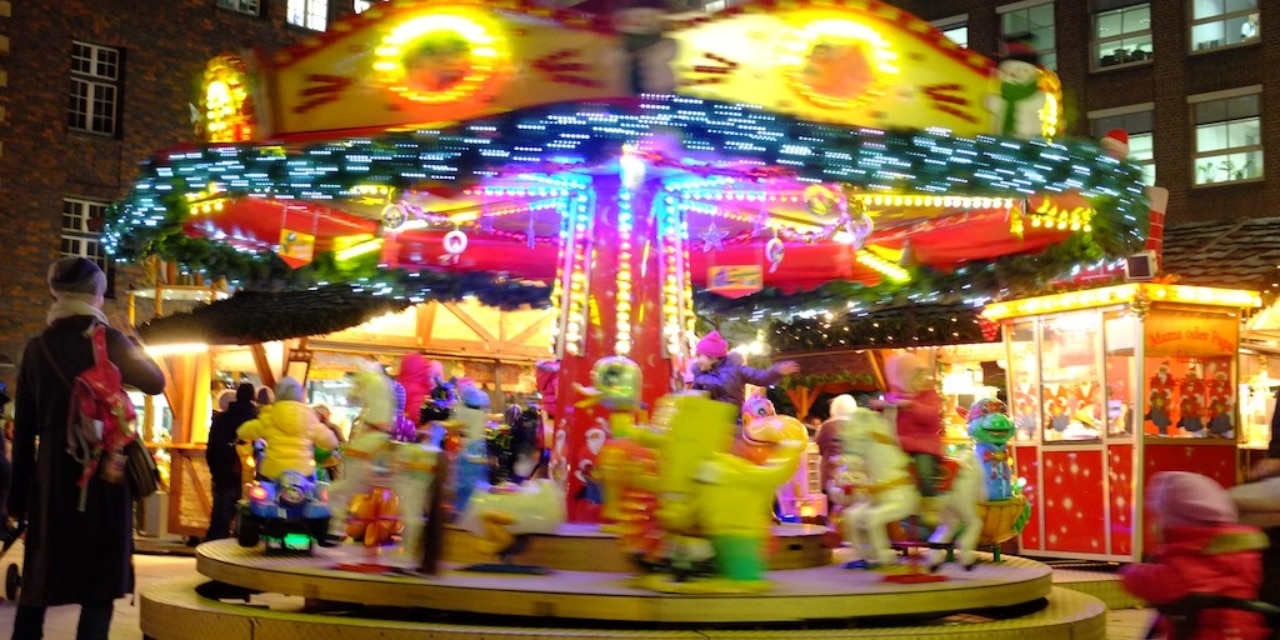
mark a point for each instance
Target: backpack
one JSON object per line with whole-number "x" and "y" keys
{"x": 101, "y": 420}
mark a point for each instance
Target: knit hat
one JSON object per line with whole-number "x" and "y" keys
{"x": 225, "y": 398}
{"x": 713, "y": 345}
{"x": 1189, "y": 499}
{"x": 899, "y": 369}
{"x": 843, "y": 406}
{"x": 288, "y": 389}
{"x": 76, "y": 276}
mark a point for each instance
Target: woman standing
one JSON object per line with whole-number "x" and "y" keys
{"x": 73, "y": 555}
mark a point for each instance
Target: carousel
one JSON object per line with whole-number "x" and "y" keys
{"x": 614, "y": 167}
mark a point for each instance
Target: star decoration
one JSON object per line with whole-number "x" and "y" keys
{"x": 713, "y": 238}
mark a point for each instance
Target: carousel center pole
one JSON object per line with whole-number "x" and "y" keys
{"x": 621, "y": 261}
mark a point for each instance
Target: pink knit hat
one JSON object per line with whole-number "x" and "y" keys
{"x": 1189, "y": 499}
{"x": 713, "y": 345}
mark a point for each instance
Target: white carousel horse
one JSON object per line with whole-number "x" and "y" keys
{"x": 894, "y": 495}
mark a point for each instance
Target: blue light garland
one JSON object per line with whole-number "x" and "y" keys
{"x": 151, "y": 218}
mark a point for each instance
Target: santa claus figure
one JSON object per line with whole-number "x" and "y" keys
{"x": 1221, "y": 401}
{"x": 1160, "y": 398}
{"x": 584, "y": 486}
{"x": 1116, "y": 143}
{"x": 1017, "y": 110}
{"x": 1191, "y": 405}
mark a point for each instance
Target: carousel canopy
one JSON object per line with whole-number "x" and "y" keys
{"x": 845, "y": 151}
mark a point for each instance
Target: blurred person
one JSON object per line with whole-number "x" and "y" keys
{"x": 223, "y": 458}
{"x": 725, "y": 377}
{"x": 1203, "y": 550}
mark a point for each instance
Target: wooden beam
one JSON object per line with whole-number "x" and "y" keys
{"x": 265, "y": 372}
{"x": 470, "y": 322}
{"x": 426, "y": 322}
{"x": 532, "y": 329}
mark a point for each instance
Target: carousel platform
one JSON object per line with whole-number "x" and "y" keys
{"x": 243, "y": 593}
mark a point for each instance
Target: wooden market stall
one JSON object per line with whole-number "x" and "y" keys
{"x": 1109, "y": 386}
{"x": 255, "y": 337}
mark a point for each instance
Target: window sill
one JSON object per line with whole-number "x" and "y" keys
{"x": 1226, "y": 47}
{"x": 246, "y": 14}
{"x": 96, "y": 135}
{"x": 1229, "y": 183}
{"x": 1119, "y": 67}
{"x": 303, "y": 28}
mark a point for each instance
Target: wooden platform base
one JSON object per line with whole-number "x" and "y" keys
{"x": 827, "y": 592}
{"x": 173, "y": 610}
{"x": 583, "y": 547}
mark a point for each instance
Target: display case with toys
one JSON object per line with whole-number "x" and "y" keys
{"x": 1108, "y": 387}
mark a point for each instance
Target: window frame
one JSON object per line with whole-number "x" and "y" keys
{"x": 324, "y": 16}
{"x": 238, "y": 6}
{"x": 1142, "y": 107}
{"x": 951, "y": 24}
{"x": 95, "y": 83}
{"x": 1194, "y": 101}
{"x": 1096, "y": 42}
{"x": 1193, "y": 22}
{"x": 1023, "y": 5}
{"x": 82, "y": 235}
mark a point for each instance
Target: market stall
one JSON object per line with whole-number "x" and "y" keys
{"x": 1109, "y": 386}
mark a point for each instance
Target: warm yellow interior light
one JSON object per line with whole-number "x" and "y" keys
{"x": 1090, "y": 298}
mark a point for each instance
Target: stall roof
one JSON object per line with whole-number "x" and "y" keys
{"x": 1240, "y": 254}
{"x": 251, "y": 317}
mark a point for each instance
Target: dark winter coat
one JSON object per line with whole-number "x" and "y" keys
{"x": 71, "y": 557}
{"x": 221, "y": 453}
{"x": 727, "y": 381}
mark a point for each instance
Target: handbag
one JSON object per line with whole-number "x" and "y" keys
{"x": 141, "y": 470}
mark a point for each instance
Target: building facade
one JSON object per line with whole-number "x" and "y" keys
{"x": 1190, "y": 80}
{"x": 88, "y": 90}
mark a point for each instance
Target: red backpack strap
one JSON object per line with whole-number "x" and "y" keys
{"x": 99, "y": 338}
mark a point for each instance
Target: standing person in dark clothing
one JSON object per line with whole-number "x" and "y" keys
{"x": 73, "y": 555}
{"x": 224, "y": 460}
{"x": 5, "y": 470}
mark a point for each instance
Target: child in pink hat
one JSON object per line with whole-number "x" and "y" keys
{"x": 724, "y": 376}
{"x": 1205, "y": 551}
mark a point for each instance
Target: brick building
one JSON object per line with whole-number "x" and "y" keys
{"x": 1191, "y": 80}
{"x": 132, "y": 71}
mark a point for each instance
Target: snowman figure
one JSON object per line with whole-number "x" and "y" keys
{"x": 1017, "y": 108}
{"x": 647, "y": 52}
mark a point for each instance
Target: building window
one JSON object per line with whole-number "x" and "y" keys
{"x": 1138, "y": 122}
{"x": 250, "y": 7}
{"x": 362, "y": 6}
{"x": 712, "y": 6}
{"x": 1228, "y": 137}
{"x": 82, "y": 229}
{"x": 1121, "y": 35}
{"x": 1034, "y": 18}
{"x": 309, "y": 14}
{"x": 1223, "y": 23}
{"x": 956, "y": 29}
{"x": 95, "y": 88}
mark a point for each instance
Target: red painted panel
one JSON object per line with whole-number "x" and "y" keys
{"x": 1121, "y": 501}
{"x": 1027, "y": 463}
{"x": 1216, "y": 461}
{"x": 1074, "y": 502}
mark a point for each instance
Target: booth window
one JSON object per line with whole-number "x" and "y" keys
{"x": 1138, "y": 123}
{"x": 955, "y": 28}
{"x": 1036, "y": 19}
{"x": 1228, "y": 137}
{"x": 81, "y": 233}
{"x": 1223, "y": 23}
{"x": 95, "y": 88}
{"x": 250, "y": 7}
{"x": 309, "y": 14}
{"x": 1121, "y": 34}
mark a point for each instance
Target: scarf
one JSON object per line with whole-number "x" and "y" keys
{"x": 68, "y": 306}
{"x": 1012, "y": 94}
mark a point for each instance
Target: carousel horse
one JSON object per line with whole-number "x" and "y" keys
{"x": 894, "y": 496}
{"x": 504, "y": 515}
